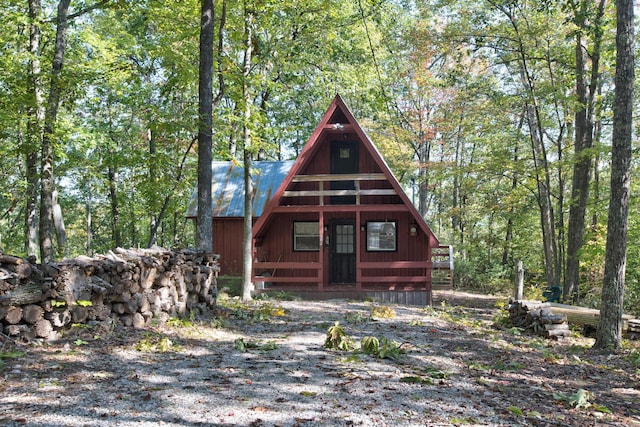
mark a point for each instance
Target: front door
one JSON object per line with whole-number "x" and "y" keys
{"x": 342, "y": 256}
{"x": 344, "y": 160}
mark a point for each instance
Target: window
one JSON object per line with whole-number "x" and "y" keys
{"x": 381, "y": 236}
{"x": 306, "y": 236}
{"x": 344, "y": 239}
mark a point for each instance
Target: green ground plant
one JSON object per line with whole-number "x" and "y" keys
{"x": 241, "y": 345}
{"x": 382, "y": 312}
{"x": 9, "y": 354}
{"x": 153, "y": 342}
{"x": 633, "y": 357}
{"x": 356, "y": 317}
{"x": 501, "y": 318}
{"x": 84, "y": 303}
{"x": 266, "y": 310}
{"x": 255, "y": 311}
{"x": 382, "y": 348}
{"x": 337, "y": 339}
{"x": 581, "y": 399}
{"x": 177, "y": 322}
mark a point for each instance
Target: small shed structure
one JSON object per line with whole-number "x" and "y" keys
{"x": 334, "y": 223}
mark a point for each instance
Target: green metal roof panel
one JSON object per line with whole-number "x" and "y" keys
{"x": 227, "y": 187}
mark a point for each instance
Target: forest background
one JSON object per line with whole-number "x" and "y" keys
{"x": 495, "y": 115}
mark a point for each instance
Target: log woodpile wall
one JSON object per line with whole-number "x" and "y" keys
{"x": 538, "y": 318}
{"x": 127, "y": 286}
{"x": 587, "y": 318}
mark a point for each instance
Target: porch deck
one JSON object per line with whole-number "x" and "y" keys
{"x": 406, "y": 297}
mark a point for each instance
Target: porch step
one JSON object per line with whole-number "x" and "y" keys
{"x": 442, "y": 272}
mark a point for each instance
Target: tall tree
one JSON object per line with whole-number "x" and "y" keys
{"x": 586, "y": 90}
{"x": 50, "y": 212}
{"x": 204, "y": 225}
{"x": 247, "y": 242}
{"x": 47, "y": 183}
{"x": 35, "y": 114}
{"x": 609, "y": 333}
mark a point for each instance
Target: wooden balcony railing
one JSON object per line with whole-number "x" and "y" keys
{"x": 322, "y": 192}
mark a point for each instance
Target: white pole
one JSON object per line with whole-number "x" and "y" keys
{"x": 519, "y": 281}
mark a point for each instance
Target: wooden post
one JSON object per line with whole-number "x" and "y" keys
{"x": 519, "y": 281}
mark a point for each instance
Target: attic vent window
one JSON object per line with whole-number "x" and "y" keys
{"x": 345, "y": 153}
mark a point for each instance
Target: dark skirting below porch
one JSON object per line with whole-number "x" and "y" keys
{"x": 413, "y": 297}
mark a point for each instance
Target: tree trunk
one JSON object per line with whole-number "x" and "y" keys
{"x": 167, "y": 199}
{"x": 31, "y": 215}
{"x": 508, "y": 234}
{"x": 153, "y": 198}
{"x": 456, "y": 220}
{"x": 543, "y": 196}
{"x": 540, "y": 158}
{"x": 597, "y": 135}
{"x": 58, "y": 223}
{"x": 609, "y": 334}
{"x": 581, "y": 178}
{"x": 112, "y": 173}
{"x": 424, "y": 154}
{"x": 583, "y": 143}
{"x": 47, "y": 183}
{"x": 204, "y": 226}
{"x": 89, "y": 232}
{"x": 35, "y": 114}
{"x": 247, "y": 243}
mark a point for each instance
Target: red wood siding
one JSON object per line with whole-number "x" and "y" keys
{"x": 307, "y": 194}
{"x": 277, "y": 247}
{"x": 227, "y": 241}
{"x": 277, "y": 251}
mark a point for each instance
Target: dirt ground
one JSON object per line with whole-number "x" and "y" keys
{"x": 266, "y": 364}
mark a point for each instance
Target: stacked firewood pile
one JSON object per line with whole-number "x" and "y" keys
{"x": 129, "y": 286}
{"x": 633, "y": 329}
{"x": 538, "y": 318}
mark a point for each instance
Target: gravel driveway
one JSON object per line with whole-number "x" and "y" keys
{"x": 266, "y": 365}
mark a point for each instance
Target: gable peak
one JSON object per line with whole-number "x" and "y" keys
{"x": 338, "y": 117}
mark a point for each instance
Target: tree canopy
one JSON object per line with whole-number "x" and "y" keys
{"x": 476, "y": 105}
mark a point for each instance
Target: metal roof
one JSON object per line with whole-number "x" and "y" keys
{"x": 227, "y": 187}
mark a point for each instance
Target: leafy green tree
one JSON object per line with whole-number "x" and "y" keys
{"x": 609, "y": 333}
{"x": 588, "y": 19}
{"x": 205, "y": 106}
{"x": 47, "y": 184}
{"x": 521, "y": 52}
{"x": 248, "y": 152}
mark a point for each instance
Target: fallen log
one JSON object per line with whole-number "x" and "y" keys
{"x": 14, "y": 315}
{"x": 24, "y": 293}
{"x": 43, "y": 329}
{"x": 584, "y": 316}
{"x": 32, "y": 313}
{"x": 10, "y": 259}
{"x": 571, "y": 314}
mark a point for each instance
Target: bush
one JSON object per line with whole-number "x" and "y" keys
{"x": 492, "y": 279}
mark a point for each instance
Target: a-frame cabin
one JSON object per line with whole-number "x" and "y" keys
{"x": 340, "y": 224}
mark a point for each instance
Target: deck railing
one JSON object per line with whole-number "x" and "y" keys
{"x": 442, "y": 273}
{"x": 266, "y": 272}
{"x": 439, "y": 272}
{"x": 321, "y": 192}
